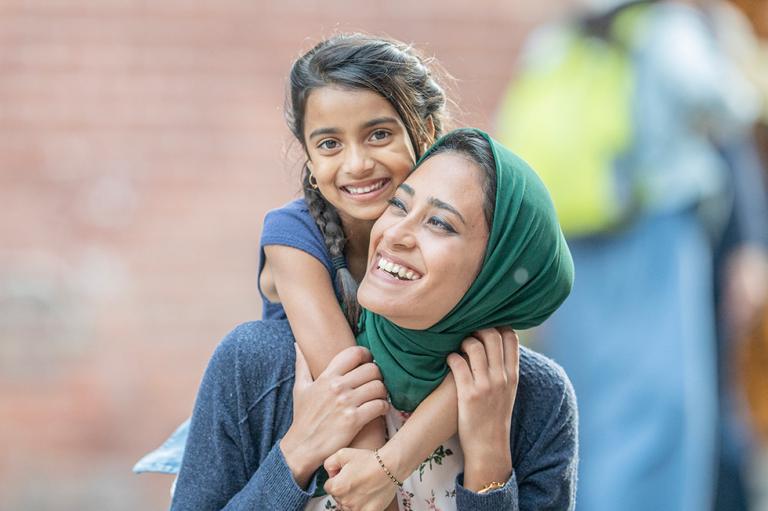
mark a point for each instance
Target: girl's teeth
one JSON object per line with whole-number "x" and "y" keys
{"x": 408, "y": 275}
{"x": 365, "y": 189}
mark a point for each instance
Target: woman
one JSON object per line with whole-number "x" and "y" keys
{"x": 475, "y": 223}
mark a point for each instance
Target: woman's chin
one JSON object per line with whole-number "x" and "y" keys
{"x": 404, "y": 314}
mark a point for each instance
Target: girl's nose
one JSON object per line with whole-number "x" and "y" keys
{"x": 357, "y": 162}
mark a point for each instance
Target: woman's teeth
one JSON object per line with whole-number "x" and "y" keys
{"x": 354, "y": 190}
{"x": 398, "y": 271}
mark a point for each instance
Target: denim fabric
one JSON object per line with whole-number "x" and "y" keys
{"x": 166, "y": 459}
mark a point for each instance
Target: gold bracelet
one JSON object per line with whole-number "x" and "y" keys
{"x": 491, "y": 486}
{"x": 386, "y": 470}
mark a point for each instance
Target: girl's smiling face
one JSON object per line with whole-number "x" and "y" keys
{"x": 433, "y": 236}
{"x": 358, "y": 148}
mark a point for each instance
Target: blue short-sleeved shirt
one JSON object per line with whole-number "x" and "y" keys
{"x": 292, "y": 226}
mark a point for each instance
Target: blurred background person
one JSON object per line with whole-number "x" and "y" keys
{"x": 742, "y": 26}
{"x": 640, "y": 122}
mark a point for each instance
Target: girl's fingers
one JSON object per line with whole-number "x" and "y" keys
{"x": 478, "y": 361}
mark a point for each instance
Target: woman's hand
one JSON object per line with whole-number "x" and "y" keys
{"x": 357, "y": 482}
{"x": 330, "y": 411}
{"x": 486, "y": 383}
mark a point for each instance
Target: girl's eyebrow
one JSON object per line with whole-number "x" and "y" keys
{"x": 434, "y": 201}
{"x": 378, "y": 120}
{"x": 365, "y": 125}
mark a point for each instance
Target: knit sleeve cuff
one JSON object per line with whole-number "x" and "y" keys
{"x": 284, "y": 492}
{"x": 501, "y": 498}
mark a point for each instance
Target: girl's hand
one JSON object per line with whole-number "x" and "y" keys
{"x": 486, "y": 383}
{"x": 330, "y": 411}
{"x": 357, "y": 482}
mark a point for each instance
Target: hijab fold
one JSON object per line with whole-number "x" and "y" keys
{"x": 526, "y": 274}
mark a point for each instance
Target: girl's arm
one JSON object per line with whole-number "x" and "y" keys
{"x": 317, "y": 321}
{"x": 359, "y": 483}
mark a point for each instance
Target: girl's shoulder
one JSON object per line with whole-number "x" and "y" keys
{"x": 291, "y": 220}
{"x": 292, "y": 225}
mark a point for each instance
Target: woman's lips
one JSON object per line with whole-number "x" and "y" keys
{"x": 368, "y": 190}
{"x": 393, "y": 269}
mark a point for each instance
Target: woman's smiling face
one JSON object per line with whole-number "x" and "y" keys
{"x": 359, "y": 149}
{"x": 433, "y": 235}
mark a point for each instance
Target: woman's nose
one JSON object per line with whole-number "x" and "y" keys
{"x": 357, "y": 161}
{"x": 400, "y": 234}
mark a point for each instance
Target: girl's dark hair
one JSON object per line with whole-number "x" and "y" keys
{"x": 389, "y": 68}
{"x": 477, "y": 149}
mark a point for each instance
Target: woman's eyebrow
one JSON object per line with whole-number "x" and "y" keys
{"x": 407, "y": 189}
{"x": 444, "y": 205}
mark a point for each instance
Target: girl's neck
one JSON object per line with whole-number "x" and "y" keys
{"x": 358, "y": 234}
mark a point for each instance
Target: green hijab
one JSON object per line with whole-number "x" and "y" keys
{"x": 527, "y": 273}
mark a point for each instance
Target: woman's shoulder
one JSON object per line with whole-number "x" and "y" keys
{"x": 544, "y": 392}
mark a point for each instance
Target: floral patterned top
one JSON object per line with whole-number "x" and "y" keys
{"x": 430, "y": 488}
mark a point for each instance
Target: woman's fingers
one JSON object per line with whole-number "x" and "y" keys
{"x": 494, "y": 349}
{"x": 368, "y": 411}
{"x": 362, "y": 374}
{"x": 369, "y": 391}
{"x": 478, "y": 361}
{"x": 511, "y": 352}
{"x": 460, "y": 370}
{"x": 347, "y": 360}
{"x": 303, "y": 375}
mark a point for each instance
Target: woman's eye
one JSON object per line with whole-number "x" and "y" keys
{"x": 328, "y": 145}
{"x": 379, "y": 135}
{"x": 441, "y": 224}
{"x": 397, "y": 204}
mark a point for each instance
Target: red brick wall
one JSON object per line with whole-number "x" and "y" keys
{"x": 141, "y": 143}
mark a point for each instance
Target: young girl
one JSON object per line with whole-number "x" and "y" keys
{"x": 364, "y": 109}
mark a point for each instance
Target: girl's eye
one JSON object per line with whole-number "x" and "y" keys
{"x": 441, "y": 224}
{"x": 379, "y": 135}
{"x": 397, "y": 204}
{"x": 328, "y": 145}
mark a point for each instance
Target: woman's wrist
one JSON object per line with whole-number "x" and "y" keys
{"x": 481, "y": 471}
{"x": 301, "y": 465}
